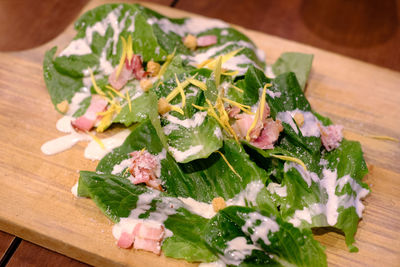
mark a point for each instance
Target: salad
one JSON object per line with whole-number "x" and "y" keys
{"x": 221, "y": 159}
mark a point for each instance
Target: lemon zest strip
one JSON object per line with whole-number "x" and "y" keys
{"x": 129, "y": 100}
{"x": 115, "y": 91}
{"x": 122, "y": 59}
{"x": 198, "y": 83}
{"x": 96, "y": 88}
{"x": 227, "y": 163}
{"x": 165, "y": 65}
{"x": 287, "y": 158}
{"x": 260, "y": 111}
{"x": 242, "y": 107}
{"x": 129, "y": 51}
{"x": 96, "y": 139}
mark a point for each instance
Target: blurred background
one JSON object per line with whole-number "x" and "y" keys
{"x": 364, "y": 29}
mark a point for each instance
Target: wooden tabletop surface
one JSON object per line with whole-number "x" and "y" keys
{"x": 365, "y": 30}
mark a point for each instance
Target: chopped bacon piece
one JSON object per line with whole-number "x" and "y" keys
{"x": 269, "y": 134}
{"x": 233, "y": 111}
{"x": 144, "y": 169}
{"x": 130, "y": 70}
{"x": 148, "y": 231}
{"x": 125, "y": 240}
{"x": 125, "y": 75}
{"x": 244, "y": 122}
{"x": 136, "y": 65}
{"x": 147, "y": 244}
{"x": 331, "y": 136}
{"x": 87, "y": 120}
{"x": 206, "y": 40}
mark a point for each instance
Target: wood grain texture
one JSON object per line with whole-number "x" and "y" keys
{"x": 35, "y": 194}
{"x": 30, "y": 255}
{"x": 366, "y": 30}
{"x": 5, "y": 242}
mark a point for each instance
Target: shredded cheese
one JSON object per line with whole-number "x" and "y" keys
{"x": 129, "y": 100}
{"x": 97, "y": 140}
{"x": 129, "y": 50}
{"x": 296, "y": 160}
{"x": 244, "y": 108}
{"x": 237, "y": 88}
{"x": 217, "y": 72}
{"x": 227, "y": 163}
{"x": 180, "y": 89}
{"x": 96, "y": 88}
{"x": 198, "y": 83}
{"x": 177, "y": 90}
{"x": 230, "y": 73}
{"x": 115, "y": 91}
{"x": 177, "y": 109}
{"x": 122, "y": 59}
{"x": 211, "y": 63}
{"x": 383, "y": 137}
{"x": 166, "y": 63}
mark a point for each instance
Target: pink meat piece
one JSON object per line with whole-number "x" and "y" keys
{"x": 125, "y": 240}
{"x": 269, "y": 134}
{"x": 136, "y": 66}
{"x": 233, "y": 111}
{"x": 244, "y": 121}
{"x": 331, "y": 136}
{"x": 87, "y": 120}
{"x": 206, "y": 40}
{"x": 147, "y": 244}
{"x": 144, "y": 169}
{"x": 148, "y": 231}
{"x": 125, "y": 75}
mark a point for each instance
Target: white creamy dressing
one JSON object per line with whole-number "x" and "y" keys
{"x": 328, "y": 184}
{"x": 236, "y": 251}
{"x": 203, "y": 209}
{"x": 182, "y": 155}
{"x": 74, "y": 190}
{"x": 247, "y": 196}
{"x": 213, "y": 51}
{"x": 104, "y": 64}
{"x": 196, "y": 120}
{"x": 165, "y": 206}
{"x": 218, "y": 263}
{"x": 119, "y": 168}
{"x": 95, "y": 152}
{"x": 193, "y": 91}
{"x": 307, "y": 176}
{"x": 269, "y": 72}
{"x": 77, "y": 47}
{"x": 261, "y": 230}
{"x": 218, "y": 132}
{"x": 63, "y": 143}
{"x": 191, "y": 25}
{"x": 310, "y": 126}
{"x": 273, "y": 94}
{"x": 275, "y": 188}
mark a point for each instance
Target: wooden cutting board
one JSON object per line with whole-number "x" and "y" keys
{"x": 35, "y": 197}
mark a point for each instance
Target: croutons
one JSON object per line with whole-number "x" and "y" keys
{"x": 299, "y": 119}
{"x": 190, "y": 42}
{"x": 153, "y": 68}
{"x": 218, "y": 203}
{"x": 145, "y": 84}
{"x": 163, "y": 106}
{"x": 63, "y": 106}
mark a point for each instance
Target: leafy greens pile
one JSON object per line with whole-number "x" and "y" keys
{"x": 272, "y": 204}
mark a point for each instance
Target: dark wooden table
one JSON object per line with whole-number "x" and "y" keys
{"x": 366, "y": 30}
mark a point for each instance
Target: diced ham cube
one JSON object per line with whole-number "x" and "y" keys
{"x": 331, "y": 136}
{"x": 125, "y": 240}
{"x": 147, "y": 231}
{"x": 147, "y": 244}
{"x": 87, "y": 120}
{"x": 206, "y": 40}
